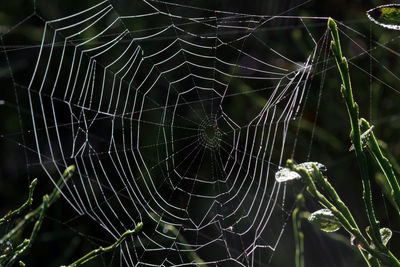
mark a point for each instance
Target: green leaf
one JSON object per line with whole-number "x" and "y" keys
{"x": 387, "y": 16}
{"x": 386, "y": 234}
{"x": 325, "y": 220}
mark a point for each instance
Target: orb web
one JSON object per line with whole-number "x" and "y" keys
{"x": 180, "y": 125}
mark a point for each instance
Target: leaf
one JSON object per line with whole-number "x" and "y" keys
{"x": 308, "y": 166}
{"x": 386, "y": 234}
{"x": 325, "y": 220}
{"x": 286, "y": 175}
{"x": 387, "y": 16}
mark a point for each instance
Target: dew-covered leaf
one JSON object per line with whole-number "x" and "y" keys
{"x": 387, "y": 16}
{"x": 325, "y": 220}
{"x": 285, "y": 174}
{"x": 308, "y": 166}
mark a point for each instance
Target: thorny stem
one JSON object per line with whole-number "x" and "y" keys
{"x": 353, "y": 112}
{"x": 97, "y": 252}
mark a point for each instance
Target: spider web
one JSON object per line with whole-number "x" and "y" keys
{"x": 175, "y": 116}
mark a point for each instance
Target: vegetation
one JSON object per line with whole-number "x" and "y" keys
{"x": 371, "y": 243}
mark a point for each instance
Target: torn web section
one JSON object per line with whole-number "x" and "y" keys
{"x": 179, "y": 125}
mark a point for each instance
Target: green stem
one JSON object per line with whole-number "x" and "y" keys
{"x": 384, "y": 164}
{"x": 27, "y": 243}
{"x": 348, "y": 223}
{"x": 31, "y": 216}
{"x": 352, "y": 109}
{"x": 384, "y": 148}
{"x": 312, "y": 188}
{"x": 97, "y": 252}
{"x": 342, "y": 207}
{"x": 37, "y": 214}
{"x": 28, "y": 202}
{"x": 298, "y": 234}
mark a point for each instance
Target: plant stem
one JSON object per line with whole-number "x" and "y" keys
{"x": 31, "y": 216}
{"x": 385, "y": 166}
{"x": 38, "y": 213}
{"x": 342, "y": 207}
{"x": 352, "y": 109}
{"x": 340, "y": 210}
{"x": 97, "y": 252}
{"x": 298, "y": 234}
{"x": 27, "y": 243}
{"x": 27, "y": 203}
{"x": 393, "y": 161}
{"x": 347, "y": 222}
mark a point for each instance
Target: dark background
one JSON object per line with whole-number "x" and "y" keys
{"x": 323, "y": 137}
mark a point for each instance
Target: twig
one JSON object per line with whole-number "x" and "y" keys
{"x": 393, "y": 161}
{"x": 341, "y": 212}
{"x": 38, "y": 215}
{"x": 97, "y": 252}
{"x": 27, "y": 203}
{"x": 385, "y": 166}
{"x": 35, "y": 213}
{"x": 27, "y": 243}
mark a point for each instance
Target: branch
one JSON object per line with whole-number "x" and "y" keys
{"x": 28, "y": 202}
{"x": 37, "y": 214}
{"x": 385, "y": 166}
{"x": 97, "y": 252}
